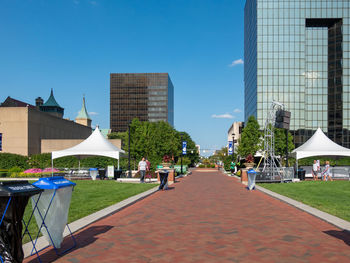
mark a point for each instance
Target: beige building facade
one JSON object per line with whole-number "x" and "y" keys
{"x": 24, "y": 128}
{"x": 234, "y": 133}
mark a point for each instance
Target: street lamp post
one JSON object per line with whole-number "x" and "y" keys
{"x": 129, "y": 152}
{"x": 233, "y": 146}
{"x": 181, "y": 154}
{"x": 286, "y": 147}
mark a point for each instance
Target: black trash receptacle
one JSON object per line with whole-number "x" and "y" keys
{"x": 117, "y": 173}
{"x": 163, "y": 176}
{"x": 102, "y": 173}
{"x": 14, "y": 196}
{"x": 301, "y": 174}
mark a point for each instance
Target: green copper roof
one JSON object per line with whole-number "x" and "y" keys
{"x": 83, "y": 114}
{"x": 51, "y": 102}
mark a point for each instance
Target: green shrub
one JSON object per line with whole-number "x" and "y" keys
{"x": 40, "y": 160}
{"x": 227, "y": 162}
{"x": 332, "y": 161}
{"x": 44, "y": 161}
{"x": 185, "y": 161}
{"x": 15, "y": 169}
{"x": 153, "y": 175}
{"x": 98, "y": 161}
{"x": 34, "y": 175}
{"x": 3, "y": 172}
{"x": 201, "y": 166}
{"x": 9, "y": 160}
{"x": 238, "y": 173}
{"x": 23, "y": 175}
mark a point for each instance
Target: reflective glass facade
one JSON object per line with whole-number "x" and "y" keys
{"x": 298, "y": 52}
{"x": 146, "y": 96}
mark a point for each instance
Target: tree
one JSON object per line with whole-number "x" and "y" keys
{"x": 192, "y": 152}
{"x": 250, "y": 141}
{"x": 280, "y": 142}
{"x": 222, "y": 155}
{"x": 154, "y": 140}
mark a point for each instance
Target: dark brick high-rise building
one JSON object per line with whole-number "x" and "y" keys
{"x": 146, "y": 96}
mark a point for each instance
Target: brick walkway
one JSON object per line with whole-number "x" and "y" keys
{"x": 208, "y": 217}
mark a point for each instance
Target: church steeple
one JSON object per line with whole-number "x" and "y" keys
{"x": 83, "y": 117}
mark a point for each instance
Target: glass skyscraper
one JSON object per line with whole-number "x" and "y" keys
{"x": 146, "y": 96}
{"x": 297, "y": 52}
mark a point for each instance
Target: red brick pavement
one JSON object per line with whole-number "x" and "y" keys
{"x": 208, "y": 217}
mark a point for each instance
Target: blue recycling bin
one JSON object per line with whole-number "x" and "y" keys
{"x": 52, "y": 210}
{"x": 14, "y": 196}
{"x": 93, "y": 173}
{"x": 251, "y": 179}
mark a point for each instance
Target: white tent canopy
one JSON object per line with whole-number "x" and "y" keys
{"x": 94, "y": 145}
{"x": 319, "y": 145}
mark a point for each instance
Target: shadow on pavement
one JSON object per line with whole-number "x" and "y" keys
{"x": 83, "y": 238}
{"x": 170, "y": 188}
{"x": 342, "y": 235}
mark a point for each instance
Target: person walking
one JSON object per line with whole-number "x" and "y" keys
{"x": 148, "y": 170}
{"x": 232, "y": 167}
{"x": 326, "y": 172}
{"x": 142, "y": 167}
{"x": 315, "y": 169}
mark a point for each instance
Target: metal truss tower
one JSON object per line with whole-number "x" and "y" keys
{"x": 271, "y": 163}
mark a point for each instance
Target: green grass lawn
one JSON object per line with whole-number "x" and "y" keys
{"x": 91, "y": 196}
{"x": 331, "y": 197}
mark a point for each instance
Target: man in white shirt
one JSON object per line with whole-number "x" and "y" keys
{"x": 142, "y": 167}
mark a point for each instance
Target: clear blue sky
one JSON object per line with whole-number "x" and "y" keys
{"x": 73, "y": 45}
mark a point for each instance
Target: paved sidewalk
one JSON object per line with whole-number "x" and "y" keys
{"x": 208, "y": 217}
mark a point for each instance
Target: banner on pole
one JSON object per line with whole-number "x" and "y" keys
{"x": 230, "y": 148}
{"x": 184, "y": 147}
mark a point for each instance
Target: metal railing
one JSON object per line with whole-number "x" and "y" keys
{"x": 279, "y": 174}
{"x": 340, "y": 173}
{"x": 337, "y": 172}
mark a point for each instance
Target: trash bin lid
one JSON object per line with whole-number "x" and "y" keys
{"x": 18, "y": 188}
{"x": 251, "y": 171}
{"x": 54, "y": 182}
{"x": 93, "y": 169}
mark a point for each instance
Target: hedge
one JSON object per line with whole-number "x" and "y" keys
{"x": 9, "y": 160}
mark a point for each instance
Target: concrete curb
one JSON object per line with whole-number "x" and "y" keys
{"x": 135, "y": 180}
{"x": 336, "y": 221}
{"x": 85, "y": 221}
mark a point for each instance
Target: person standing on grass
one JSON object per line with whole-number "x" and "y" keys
{"x": 315, "y": 169}
{"x": 326, "y": 172}
{"x": 142, "y": 167}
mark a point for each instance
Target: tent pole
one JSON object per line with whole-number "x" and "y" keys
{"x": 118, "y": 164}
